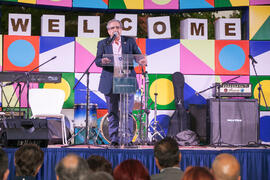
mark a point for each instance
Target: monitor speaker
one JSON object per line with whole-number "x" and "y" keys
{"x": 199, "y": 121}
{"x": 239, "y": 121}
{"x": 16, "y": 132}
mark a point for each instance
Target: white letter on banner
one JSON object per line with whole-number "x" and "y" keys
{"x": 228, "y": 29}
{"x": 159, "y": 27}
{"x": 194, "y": 29}
{"x": 19, "y": 24}
{"x": 53, "y": 25}
{"x": 129, "y": 22}
{"x": 89, "y": 26}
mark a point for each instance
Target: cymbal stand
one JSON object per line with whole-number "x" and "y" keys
{"x": 156, "y": 124}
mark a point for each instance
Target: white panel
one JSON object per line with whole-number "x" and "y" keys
{"x": 159, "y": 27}
{"x": 53, "y": 25}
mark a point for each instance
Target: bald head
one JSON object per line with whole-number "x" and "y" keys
{"x": 226, "y": 167}
{"x": 72, "y": 167}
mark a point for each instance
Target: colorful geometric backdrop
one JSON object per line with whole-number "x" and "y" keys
{"x": 203, "y": 62}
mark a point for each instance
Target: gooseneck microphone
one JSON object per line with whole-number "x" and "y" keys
{"x": 113, "y": 38}
{"x": 252, "y": 59}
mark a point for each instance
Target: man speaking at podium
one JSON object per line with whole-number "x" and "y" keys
{"x": 115, "y": 44}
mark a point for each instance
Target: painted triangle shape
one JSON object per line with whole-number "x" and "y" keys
{"x": 192, "y": 64}
{"x": 263, "y": 32}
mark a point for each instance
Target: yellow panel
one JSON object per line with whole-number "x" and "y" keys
{"x": 134, "y": 4}
{"x": 89, "y": 43}
{"x": 28, "y": 1}
{"x": 257, "y": 17}
{"x": 240, "y": 2}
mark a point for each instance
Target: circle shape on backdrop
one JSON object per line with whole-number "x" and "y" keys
{"x": 232, "y": 57}
{"x": 21, "y": 53}
{"x": 266, "y": 90}
{"x": 63, "y": 85}
{"x": 164, "y": 88}
{"x": 161, "y": 2}
{"x": 162, "y": 126}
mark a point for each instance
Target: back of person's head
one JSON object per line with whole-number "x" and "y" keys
{"x": 101, "y": 175}
{"x": 197, "y": 173}
{"x": 99, "y": 163}
{"x": 28, "y": 160}
{"x": 226, "y": 167}
{"x": 167, "y": 153}
{"x": 72, "y": 167}
{"x": 131, "y": 170}
{"x": 4, "y": 171}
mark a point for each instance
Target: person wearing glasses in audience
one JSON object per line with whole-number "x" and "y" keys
{"x": 116, "y": 44}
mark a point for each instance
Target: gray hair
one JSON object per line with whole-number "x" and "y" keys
{"x": 114, "y": 20}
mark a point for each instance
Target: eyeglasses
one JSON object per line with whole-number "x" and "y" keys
{"x": 114, "y": 27}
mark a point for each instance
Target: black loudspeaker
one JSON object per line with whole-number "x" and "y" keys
{"x": 16, "y": 132}
{"x": 199, "y": 121}
{"x": 239, "y": 121}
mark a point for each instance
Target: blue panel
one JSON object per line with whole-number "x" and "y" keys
{"x": 194, "y": 4}
{"x": 90, "y": 4}
{"x": 155, "y": 45}
{"x": 48, "y": 43}
{"x": 259, "y": 47}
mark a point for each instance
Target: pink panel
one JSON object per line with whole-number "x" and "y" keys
{"x": 258, "y": 2}
{"x": 191, "y": 64}
{"x": 83, "y": 58}
{"x": 64, "y": 3}
{"x": 172, "y": 4}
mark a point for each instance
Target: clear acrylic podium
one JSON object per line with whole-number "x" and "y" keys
{"x": 124, "y": 84}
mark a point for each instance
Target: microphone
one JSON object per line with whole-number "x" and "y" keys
{"x": 113, "y": 38}
{"x": 252, "y": 59}
{"x": 53, "y": 58}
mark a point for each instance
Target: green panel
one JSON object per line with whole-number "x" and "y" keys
{"x": 117, "y": 4}
{"x": 165, "y": 92}
{"x": 264, "y": 32}
{"x": 265, "y": 84}
{"x": 223, "y": 3}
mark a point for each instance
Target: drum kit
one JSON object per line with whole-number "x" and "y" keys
{"x": 98, "y": 127}
{"x": 95, "y": 131}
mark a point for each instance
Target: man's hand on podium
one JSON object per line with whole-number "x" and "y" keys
{"x": 143, "y": 62}
{"x": 105, "y": 61}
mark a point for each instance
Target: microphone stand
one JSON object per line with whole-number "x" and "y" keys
{"x": 87, "y": 104}
{"x": 260, "y": 92}
{"x": 217, "y": 85}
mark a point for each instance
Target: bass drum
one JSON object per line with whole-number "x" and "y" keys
{"x": 104, "y": 129}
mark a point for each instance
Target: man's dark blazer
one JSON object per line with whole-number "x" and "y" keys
{"x": 169, "y": 173}
{"x": 129, "y": 46}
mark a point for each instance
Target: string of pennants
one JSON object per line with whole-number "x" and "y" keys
{"x": 144, "y": 4}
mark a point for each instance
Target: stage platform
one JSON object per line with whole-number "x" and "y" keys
{"x": 255, "y": 161}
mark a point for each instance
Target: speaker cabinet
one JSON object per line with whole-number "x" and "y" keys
{"x": 239, "y": 121}
{"x": 16, "y": 132}
{"x": 199, "y": 121}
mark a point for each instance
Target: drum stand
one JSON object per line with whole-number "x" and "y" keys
{"x": 156, "y": 125}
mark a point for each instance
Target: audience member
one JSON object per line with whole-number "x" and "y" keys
{"x": 131, "y": 170}
{"x": 28, "y": 161}
{"x": 226, "y": 167}
{"x": 4, "y": 171}
{"x": 197, "y": 173}
{"x": 167, "y": 158}
{"x": 72, "y": 167}
{"x": 99, "y": 163}
{"x": 101, "y": 175}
